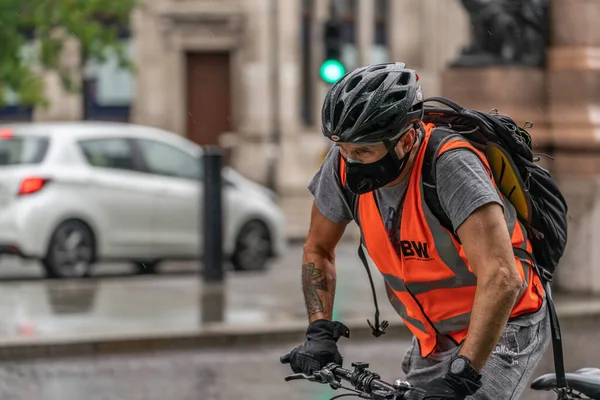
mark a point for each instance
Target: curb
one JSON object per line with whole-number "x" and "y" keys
{"x": 220, "y": 336}
{"x": 211, "y": 337}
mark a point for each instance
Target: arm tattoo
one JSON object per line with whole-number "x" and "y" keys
{"x": 313, "y": 279}
{"x": 333, "y": 286}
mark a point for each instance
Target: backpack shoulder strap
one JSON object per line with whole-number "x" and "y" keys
{"x": 438, "y": 137}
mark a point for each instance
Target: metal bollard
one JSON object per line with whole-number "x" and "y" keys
{"x": 213, "y": 293}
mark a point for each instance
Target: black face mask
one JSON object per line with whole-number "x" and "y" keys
{"x": 364, "y": 178}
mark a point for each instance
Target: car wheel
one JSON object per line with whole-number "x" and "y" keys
{"x": 252, "y": 248}
{"x": 71, "y": 251}
{"x": 146, "y": 267}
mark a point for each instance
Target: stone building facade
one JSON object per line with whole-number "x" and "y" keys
{"x": 245, "y": 73}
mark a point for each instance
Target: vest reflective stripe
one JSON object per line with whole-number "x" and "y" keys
{"x": 448, "y": 252}
{"x": 453, "y": 324}
{"x": 398, "y": 284}
{"x": 401, "y": 310}
{"x": 431, "y": 285}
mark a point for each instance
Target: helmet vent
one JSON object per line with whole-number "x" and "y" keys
{"x": 395, "y": 97}
{"x": 353, "y": 83}
{"x": 377, "y": 68}
{"x": 416, "y": 107}
{"x": 337, "y": 113}
{"x": 404, "y": 79}
{"x": 375, "y": 83}
{"x": 353, "y": 116}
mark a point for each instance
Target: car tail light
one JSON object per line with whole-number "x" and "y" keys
{"x": 32, "y": 185}
{"x": 6, "y": 133}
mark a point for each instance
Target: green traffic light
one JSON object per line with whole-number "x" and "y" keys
{"x": 332, "y": 71}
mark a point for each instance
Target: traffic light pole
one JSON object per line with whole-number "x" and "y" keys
{"x": 332, "y": 69}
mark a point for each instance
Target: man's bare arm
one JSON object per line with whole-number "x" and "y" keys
{"x": 318, "y": 265}
{"x": 488, "y": 248}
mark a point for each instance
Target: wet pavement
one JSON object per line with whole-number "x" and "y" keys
{"x": 249, "y": 373}
{"x": 116, "y": 302}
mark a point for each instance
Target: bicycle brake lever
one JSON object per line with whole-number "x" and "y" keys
{"x": 293, "y": 377}
{"x": 326, "y": 376}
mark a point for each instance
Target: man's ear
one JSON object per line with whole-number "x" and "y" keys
{"x": 408, "y": 140}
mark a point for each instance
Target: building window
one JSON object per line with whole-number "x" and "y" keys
{"x": 380, "y": 51}
{"x": 107, "y": 87}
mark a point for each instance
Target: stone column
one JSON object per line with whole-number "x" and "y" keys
{"x": 574, "y": 112}
{"x": 288, "y": 64}
{"x": 295, "y": 147}
{"x": 252, "y": 146}
{"x": 404, "y": 28}
{"x": 365, "y": 29}
{"x": 153, "y": 50}
{"x": 446, "y": 33}
{"x": 255, "y": 71}
{"x": 426, "y": 46}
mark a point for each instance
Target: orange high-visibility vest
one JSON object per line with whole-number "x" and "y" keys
{"x": 431, "y": 284}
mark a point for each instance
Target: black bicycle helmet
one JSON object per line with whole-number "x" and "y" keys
{"x": 372, "y": 104}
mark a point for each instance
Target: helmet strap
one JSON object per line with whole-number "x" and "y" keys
{"x": 391, "y": 147}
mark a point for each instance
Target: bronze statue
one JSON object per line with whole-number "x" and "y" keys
{"x": 506, "y": 32}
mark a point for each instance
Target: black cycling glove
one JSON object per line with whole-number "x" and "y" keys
{"x": 320, "y": 347}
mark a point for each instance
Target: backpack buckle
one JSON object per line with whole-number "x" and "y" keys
{"x": 547, "y": 275}
{"x": 544, "y": 274}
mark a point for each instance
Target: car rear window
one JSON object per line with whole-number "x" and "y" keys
{"x": 15, "y": 149}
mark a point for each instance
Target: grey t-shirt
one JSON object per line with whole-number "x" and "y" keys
{"x": 462, "y": 183}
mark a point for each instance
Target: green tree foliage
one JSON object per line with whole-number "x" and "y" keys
{"x": 42, "y": 26}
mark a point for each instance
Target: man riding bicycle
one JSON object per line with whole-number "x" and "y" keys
{"x": 475, "y": 309}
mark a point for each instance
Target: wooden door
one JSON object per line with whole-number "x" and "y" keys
{"x": 208, "y": 96}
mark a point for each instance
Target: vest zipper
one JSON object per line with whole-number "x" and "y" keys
{"x": 389, "y": 223}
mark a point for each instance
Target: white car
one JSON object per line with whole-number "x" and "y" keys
{"x": 75, "y": 193}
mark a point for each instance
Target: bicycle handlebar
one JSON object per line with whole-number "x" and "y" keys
{"x": 366, "y": 384}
